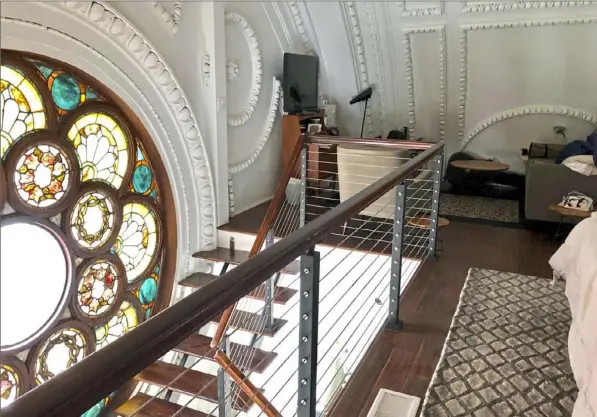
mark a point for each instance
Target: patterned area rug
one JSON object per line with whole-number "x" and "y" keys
{"x": 506, "y": 352}
{"x": 486, "y": 208}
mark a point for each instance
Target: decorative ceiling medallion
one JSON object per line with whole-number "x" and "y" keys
{"x": 14, "y": 380}
{"x": 42, "y": 174}
{"x": 37, "y": 278}
{"x": 2, "y": 188}
{"x": 100, "y": 288}
{"x": 92, "y": 222}
{"x": 128, "y": 317}
{"x": 240, "y": 119}
{"x": 23, "y": 107}
{"x": 68, "y": 344}
{"x": 140, "y": 238}
{"x": 103, "y": 143}
{"x": 232, "y": 70}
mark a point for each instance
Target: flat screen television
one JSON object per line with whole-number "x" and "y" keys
{"x": 299, "y": 83}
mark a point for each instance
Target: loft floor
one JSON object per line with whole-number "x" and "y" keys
{"x": 404, "y": 361}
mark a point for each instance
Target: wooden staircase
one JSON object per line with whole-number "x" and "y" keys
{"x": 161, "y": 374}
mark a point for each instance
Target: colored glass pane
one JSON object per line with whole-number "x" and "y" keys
{"x": 143, "y": 178}
{"x": 35, "y": 292}
{"x": 98, "y": 408}
{"x": 97, "y": 288}
{"x": 42, "y": 175}
{"x": 137, "y": 240}
{"x": 124, "y": 320}
{"x": 92, "y": 219}
{"x": 9, "y": 385}
{"x": 91, "y": 94}
{"x": 21, "y": 107}
{"x": 102, "y": 148}
{"x": 43, "y": 69}
{"x": 61, "y": 351}
{"x": 66, "y": 91}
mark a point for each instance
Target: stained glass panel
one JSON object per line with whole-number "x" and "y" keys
{"x": 98, "y": 408}
{"x": 148, "y": 291}
{"x": 21, "y": 107}
{"x": 9, "y": 385}
{"x": 102, "y": 147}
{"x": 143, "y": 179}
{"x": 124, "y": 320}
{"x": 98, "y": 288}
{"x": 92, "y": 219}
{"x": 137, "y": 241}
{"x": 42, "y": 175}
{"x": 62, "y": 350}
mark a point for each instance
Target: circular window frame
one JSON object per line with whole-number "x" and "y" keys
{"x": 100, "y": 107}
{"x": 22, "y": 371}
{"x": 85, "y": 330}
{"x": 69, "y": 286}
{"x": 66, "y": 223}
{"x": 103, "y": 318}
{"x": 150, "y": 203}
{"x": 12, "y": 158}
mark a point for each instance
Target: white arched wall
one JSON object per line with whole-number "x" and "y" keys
{"x": 103, "y": 44}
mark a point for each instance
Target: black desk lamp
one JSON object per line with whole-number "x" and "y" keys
{"x": 363, "y": 95}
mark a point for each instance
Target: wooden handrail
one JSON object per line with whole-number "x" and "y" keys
{"x": 370, "y": 142}
{"x": 246, "y": 385}
{"x": 267, "y": 222}
{"x": 77, "y": 389}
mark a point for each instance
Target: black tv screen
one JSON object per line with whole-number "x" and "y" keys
{"x": 300, "y": 83}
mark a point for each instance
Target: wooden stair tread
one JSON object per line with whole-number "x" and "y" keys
{"x": 239, "y": 256}
{"x": 192, "y": 383}
{"x": 200, "y": 279}
{"x": 198, "y": 345}
{"x": 156, "y": 408}
{"x": 252, "y": 323}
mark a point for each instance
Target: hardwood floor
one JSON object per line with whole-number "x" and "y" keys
{"x": 405, "y": 360}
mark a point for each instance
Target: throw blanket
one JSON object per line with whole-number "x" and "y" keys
{"x": 580, "y": 147}
{"x": 576, "y": 262}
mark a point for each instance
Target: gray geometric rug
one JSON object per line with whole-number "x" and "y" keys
{"x": 506, "y": 353}
{"x": 486, "y": 208}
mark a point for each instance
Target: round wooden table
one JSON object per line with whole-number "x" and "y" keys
{"x": 477, "y": 165}
{"x": 567, "y": 212}
{"x": 424, "y": 222}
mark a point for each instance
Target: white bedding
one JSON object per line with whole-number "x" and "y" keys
{"x": 576, "y": 262}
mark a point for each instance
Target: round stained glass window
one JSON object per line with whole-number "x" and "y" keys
{"x": 127, "y": 318}
{"x": 36, "y": 271}
{"x": 100, "y": 289}
{"x": 70, "y": 342}
{"x": 103, "y": 146}
{"x": 14, "y": 380}
{"x": 42, "y": 172}
{"x": 93, "y": 220}
{"x": 139, "y": 238}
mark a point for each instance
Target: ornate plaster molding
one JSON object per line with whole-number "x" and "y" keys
{"x": 146, "y": 56}
{"x": 249, "y": 33}
{"x": 231, "y": 207}
{"x": 379, "y": 72}
{"x": 475, "y": 7}
{"x": 434, "y": 10}
{"x": 206, "y": 68}
{"x": 232, "y": 70}
{"x": 354, "y": 27}
{"x": 169, "y": 13}
{"x": 465, "y": 29}
{"x": 526, "y": 111}
{"x": 300, "y": 27}
{"x": 410, "y": 82}
{"x": 269, "y": 126}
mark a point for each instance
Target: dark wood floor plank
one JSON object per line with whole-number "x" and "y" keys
{"x": 198, "y": 345}
{"x": 237, "y": 257}
{"x": 429, "y": 303}
{"x": 155, "y": 408}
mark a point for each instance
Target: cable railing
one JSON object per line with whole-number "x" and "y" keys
{"x": 361, "y": 227}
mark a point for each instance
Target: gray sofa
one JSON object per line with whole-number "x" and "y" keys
{"x": 547, "y": 182}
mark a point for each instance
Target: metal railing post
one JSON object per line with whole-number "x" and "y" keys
{"x": 437, "y": 166}
{"x": 224, "y": 386}
{"x": 308, "y": 338}
{"x": 268, "y": 311}
{"x": 394, "y": 321}
{"x": 303, "y": 210}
